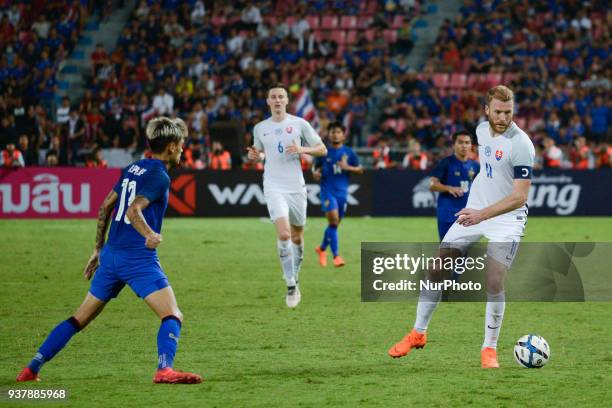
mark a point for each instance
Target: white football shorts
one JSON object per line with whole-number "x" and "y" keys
{"x": 292, "y": 205}
{"x": 503, "y": 233}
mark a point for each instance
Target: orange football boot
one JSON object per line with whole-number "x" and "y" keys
{"x": 412, "y": 340}
{"x": 488, "y": 358}
{"x": 322, "y": 256}
{"x": 169, "y": 376}
{"x": 338, "y": 261}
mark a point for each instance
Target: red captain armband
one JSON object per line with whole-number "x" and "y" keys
{"x": 522, "y": 172}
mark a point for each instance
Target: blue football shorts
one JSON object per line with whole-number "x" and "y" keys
{"x": 140, "y": 269}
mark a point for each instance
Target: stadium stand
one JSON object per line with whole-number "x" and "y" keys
{"x": 210, "y": 63}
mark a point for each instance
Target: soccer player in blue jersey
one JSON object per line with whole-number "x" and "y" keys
{"x": 452, "y": 178}
{"x": 334, "y": 171}
{"x": 135, "y": 209}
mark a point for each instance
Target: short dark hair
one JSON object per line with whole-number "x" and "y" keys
{"x": 161, "y": 132}
{"x": 277, "y": 85}
{"x": 336, "y": 125}
{"x": 462, "y": 133}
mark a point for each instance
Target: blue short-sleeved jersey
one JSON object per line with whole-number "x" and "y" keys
{"x": 125, "y": 259}
{"x": 148, "y": 178}
{"x": 453, "y": 172}
{"x": 333, "y": 179}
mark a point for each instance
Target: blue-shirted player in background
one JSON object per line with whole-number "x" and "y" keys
{"x": 452, "y": 178}
{"x": 334, "y": 170}
{"x": 135, "y": 208}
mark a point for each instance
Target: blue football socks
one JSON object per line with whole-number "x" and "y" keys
{"x": 55, "y": 342}
{"x": 167, "y": 341}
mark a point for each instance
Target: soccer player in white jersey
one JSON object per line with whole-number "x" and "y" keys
{"x": 279, "y": 141}
{"x": 497, "y": 210}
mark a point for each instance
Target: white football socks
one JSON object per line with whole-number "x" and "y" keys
{"x": 285, "y": 254}
{"x": 298, "y": 257}
{"x": 428, "y": 300}
{"x": 494, "y": 316}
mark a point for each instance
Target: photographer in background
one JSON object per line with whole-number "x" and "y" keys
{"x": 11, "y": 157}
{"x": 218, "y": 158}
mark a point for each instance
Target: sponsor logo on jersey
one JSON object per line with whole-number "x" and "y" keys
{"x": 487, "y": 151}
{"x": 499, "y": 154}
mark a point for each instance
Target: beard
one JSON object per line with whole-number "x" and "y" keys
{"x": 499, "y": 127}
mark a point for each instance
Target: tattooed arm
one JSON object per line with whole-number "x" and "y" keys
{"x": 104, "y": 214}
{"x": 137, "y": 219}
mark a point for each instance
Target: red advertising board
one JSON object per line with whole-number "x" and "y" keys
{"x": 59, "y": 192}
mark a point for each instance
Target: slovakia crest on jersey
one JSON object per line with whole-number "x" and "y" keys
{"x": 499, "y": 154}
{"x": 289, "y": 129}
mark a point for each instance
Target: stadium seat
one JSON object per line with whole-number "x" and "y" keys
{"x": 494, "y": 79}
{"x": 364, "y": 21}
{"x": 348, "y": 22}
{"x": 400, "y": 126}
{"x": 318, "y": 35}
{"x": 351, "y": 37}
{"x": 340, "y": 52}
{"x": 372, "y": 7}
{"x": 290, "y": 20}
{"x": 440, "y": 80}
{"x": 509, "y": 77}
{"x": 312, "y": 65}
{"x": 520, "y": 122}
{"x": 420, "y": 23}
{"x": 329, "y": 22}
{"x": 390, "y": 36}
{"x": 473, "y": 80}
{"x": 535, "y": 123}
{"x": 313, "y": 21}
{"x": 218, "y": 20}
{"x": 339, "y": 36}
{"x": 458, "y": 80}
{"x": 370, "y": 34}
{"x": 398, "y": 21}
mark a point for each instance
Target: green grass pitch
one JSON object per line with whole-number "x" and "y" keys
{"x": 253, "y": 351}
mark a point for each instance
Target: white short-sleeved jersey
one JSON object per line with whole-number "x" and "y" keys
{"x": 283, "y": 171}
{"x": 502, "y": 159}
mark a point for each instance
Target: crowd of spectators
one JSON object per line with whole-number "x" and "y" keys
{"x": 555, "y": 55}
{"x": 35, "y": 36}
{"x": 212, "y": 61}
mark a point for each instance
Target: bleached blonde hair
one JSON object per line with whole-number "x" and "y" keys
{"x": 162, "y": 131}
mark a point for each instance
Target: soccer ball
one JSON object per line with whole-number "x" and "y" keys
{"x": 531, "y": 351}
